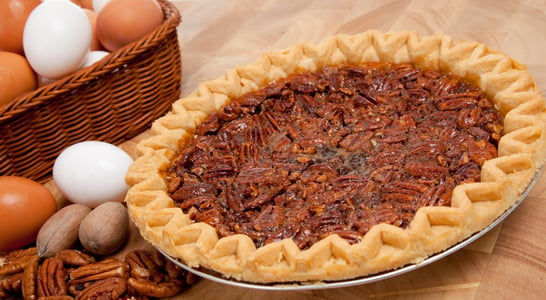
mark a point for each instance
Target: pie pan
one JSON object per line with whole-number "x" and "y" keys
{"x": 434, "y": 229}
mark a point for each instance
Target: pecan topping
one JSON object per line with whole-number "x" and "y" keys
{"x": 335, "y": 151}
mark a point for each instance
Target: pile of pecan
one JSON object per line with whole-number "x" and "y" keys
{"x": 73, "y": 274}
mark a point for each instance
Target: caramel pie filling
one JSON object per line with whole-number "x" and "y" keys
{"x": 334, "y": 152}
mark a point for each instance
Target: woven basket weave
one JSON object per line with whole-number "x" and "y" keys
{"x": 111, "y": 101}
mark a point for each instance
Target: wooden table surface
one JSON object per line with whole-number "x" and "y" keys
{"x": 507, "y": 263}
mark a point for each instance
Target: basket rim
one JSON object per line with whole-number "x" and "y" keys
{"x": 107, "y": 64}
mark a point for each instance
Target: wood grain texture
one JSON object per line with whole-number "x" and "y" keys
{"x": 510, "y": 261}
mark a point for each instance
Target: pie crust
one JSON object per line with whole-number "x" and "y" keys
{"x": 474, "y": 206}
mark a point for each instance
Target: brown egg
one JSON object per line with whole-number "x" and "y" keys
{"x": 86, "y": 4}
{"x": 13, "y": 15}
{"x": 123, "y": 21}
{"x": 16, "y": 76}
{"x": 82, "y": 3}
{"x": 95, "y": 44}
{"x": 25, "y": 205}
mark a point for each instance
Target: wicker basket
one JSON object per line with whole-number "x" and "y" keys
{"x": 111, "y": 101}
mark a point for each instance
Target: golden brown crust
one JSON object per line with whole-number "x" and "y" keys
{"x": 384, "y": 247}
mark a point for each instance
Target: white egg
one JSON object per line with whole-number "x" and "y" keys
{"x": 56, "y": 38}
{"x": 92, "y": 172}
{"x": 93, "y": 56}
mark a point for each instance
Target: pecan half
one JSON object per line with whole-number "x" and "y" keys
{"x": 105, "y": 269}
{"x": 143, "y": 265}
{"x": 157, "y": 290}
{"x": 74, "y": 257}
{"x": 52, "y": 277}
{"x": 457, "y": 103}
{"x": 425, "y": 170}
{"x": 11, "y": 286}
{"x": 110, "y": 288}
{"x": 15, "y": 261}
{"x": 28, "y": 283}
{"x": 152, "y": 275}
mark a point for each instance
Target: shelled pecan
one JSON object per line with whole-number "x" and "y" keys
{"x": 154, "y": 289}
{"x": 144, "y": 265}
{"x": 51, "y": 278}
{"x": 74, "y": 257}
{"x": 15, "y": 261}
{"x": 152, "y": 275}
{"x": 108, "y": 288}
{"x": 29, "y": 281}
{"x": 104, "y": 269}
{"x": 11, "y": 286}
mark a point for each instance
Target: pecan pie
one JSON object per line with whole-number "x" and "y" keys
{"x": 359, "y": 155}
